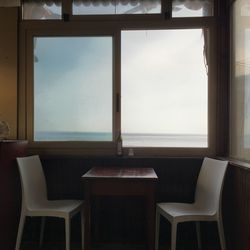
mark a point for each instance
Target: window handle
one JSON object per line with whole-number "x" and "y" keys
{"x": 118, "y": 106}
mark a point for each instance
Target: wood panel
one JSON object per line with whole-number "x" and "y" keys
{"x": 177, "y": 180}
{"x": 236, "y": 208}
{"x": 10, "y": 191}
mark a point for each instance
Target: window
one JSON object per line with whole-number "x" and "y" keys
{"x": 86, "y": 79}
{"x": 240, "y": 81}
{"x": 73, "y": 89}
{"x": 164, "y": 83}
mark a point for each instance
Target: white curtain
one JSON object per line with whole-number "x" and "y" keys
{"x": 190, "y": 4}
{"x": 193, "y": 4}
{"x": 34, "y": 9}
{"x": 10, "y": 3}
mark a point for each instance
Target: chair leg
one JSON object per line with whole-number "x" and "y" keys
{"x": 42, "y": 232}
{"x": 20, "y": 231}
{"x": 173, "y": 235}
{"x": 221, "y": 234}
{"x": 82, "y": 227}
{"x": 198, "y": 232}
{"x": 157, "y": 229}
{"x": 67, "y": 232}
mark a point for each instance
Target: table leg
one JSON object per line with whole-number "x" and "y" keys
{"x": 151, "y": 216}
{"x": 87, "y": 218}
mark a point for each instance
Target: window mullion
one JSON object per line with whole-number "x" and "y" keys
{"x": 117, "y": 83}
{"x": 66, "y": 9}
{"x": 166, "y": 8}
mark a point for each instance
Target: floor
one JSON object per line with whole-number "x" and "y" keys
{"x": 76, "y": 246}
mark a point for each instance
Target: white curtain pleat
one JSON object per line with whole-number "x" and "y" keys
{"x": 205, "y": 5}
{"x": 190, "y": 4}
{"x": 35, "y": 9}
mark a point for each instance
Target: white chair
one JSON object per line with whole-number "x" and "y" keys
{"x": 35, "y": 202}
{"x": 206, "y": 206}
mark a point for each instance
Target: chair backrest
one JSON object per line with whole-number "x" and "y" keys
{"x": 34, "y": 190}
{"x": 210, "y": 183}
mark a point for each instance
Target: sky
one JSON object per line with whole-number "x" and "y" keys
{"x": 164, "y": 82}
{"x": 73, "y": 84}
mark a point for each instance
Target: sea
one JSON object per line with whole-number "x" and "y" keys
{"x": 129, "y": 139}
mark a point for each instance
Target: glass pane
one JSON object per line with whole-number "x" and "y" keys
{"x": 240, "y": 81}
{"x": 164, "y": 89}
{"x": 192, "y": 8}
{"x": 43, "y": 9}
{"x": 112, "y": 7}
{"x": 73, "y": 88}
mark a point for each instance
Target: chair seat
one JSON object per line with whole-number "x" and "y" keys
{"x": 185, "y": 212}
{"x": 57, "y": 208}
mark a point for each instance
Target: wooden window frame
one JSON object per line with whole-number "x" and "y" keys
{"x": 105, "y": 26}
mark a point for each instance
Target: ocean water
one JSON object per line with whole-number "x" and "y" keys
{"x": 164, "y": 140}
{"x": 129, "y": 140}
{"x": 72, "y": 136}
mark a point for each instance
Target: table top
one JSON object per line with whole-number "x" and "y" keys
{"x": 121, "y": 173}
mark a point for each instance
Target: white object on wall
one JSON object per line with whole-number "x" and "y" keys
{"x": 4, "y": 130}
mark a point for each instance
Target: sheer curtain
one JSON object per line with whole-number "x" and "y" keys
{"x": 205, "y": 5}
{"x": 190, "y": 4}
{"x": 240, "y": 81}
{"x": 43, "y": 9}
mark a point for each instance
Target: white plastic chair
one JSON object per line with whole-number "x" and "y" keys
{"x": 205, "y": 208}
{"x": 35, "y": 202}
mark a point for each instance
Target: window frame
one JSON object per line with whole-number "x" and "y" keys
{"x": 31, "y": 28}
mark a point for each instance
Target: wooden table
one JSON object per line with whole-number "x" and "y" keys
{"x": 103, "y": 181}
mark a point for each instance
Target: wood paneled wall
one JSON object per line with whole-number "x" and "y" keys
{"x": 10, "y": 191}
{"x": 117, "y": 220}
{"x": 236, "y": 208}
{"x": 177, "y": 180}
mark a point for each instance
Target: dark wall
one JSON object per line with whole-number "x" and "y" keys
{"x": 115, "y": 220}
{"x": 177, "y": 176}
{"x": 236, "y": 207}
{"x": 122, "y": 220}
{"x": 10, "y": 194}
